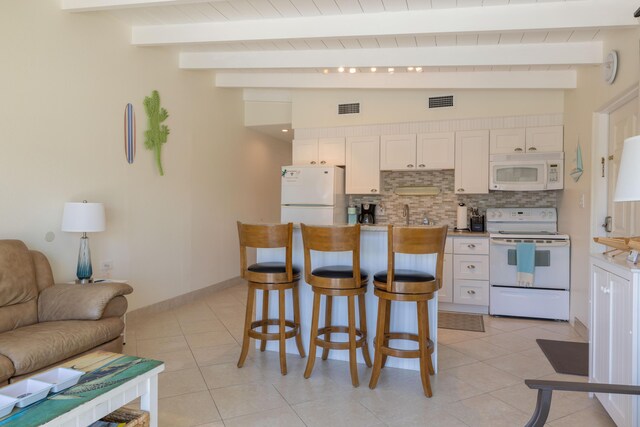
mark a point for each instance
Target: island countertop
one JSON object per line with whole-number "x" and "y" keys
{"x": 373, "y": 258}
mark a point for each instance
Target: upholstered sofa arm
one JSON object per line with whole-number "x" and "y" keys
{"x": 79, "y": 302}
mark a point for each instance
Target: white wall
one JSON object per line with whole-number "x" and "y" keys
{"x": 591, "y": 94}
{"x": 318, "y": 108}
{"x": 65, "y": 80}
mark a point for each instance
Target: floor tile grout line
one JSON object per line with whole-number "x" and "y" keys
{"x": 524, "y": 332}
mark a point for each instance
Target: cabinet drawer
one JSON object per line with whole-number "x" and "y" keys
{"x": 475, "y": 267}
{"x": 471, "y": 246}
{"x": 474, "y": 292}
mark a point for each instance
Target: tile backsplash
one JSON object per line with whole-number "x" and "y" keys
{"x": 442, "y": 208}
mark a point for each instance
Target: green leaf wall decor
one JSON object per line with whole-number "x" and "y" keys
{"x": 156, "y": 134}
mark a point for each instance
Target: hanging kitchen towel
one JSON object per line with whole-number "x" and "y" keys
{"x": 577, "y": 172}
{"x": 526, "y": 263}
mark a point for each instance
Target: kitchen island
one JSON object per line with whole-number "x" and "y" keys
{"x": 373, "y": 258}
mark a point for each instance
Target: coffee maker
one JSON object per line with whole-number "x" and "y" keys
{"x": 367, "y": 214}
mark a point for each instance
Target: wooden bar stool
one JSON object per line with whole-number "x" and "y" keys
{"x": 336, "y": 281}
{"x": 269, "y": 276}
{"x": 408, "y": 285}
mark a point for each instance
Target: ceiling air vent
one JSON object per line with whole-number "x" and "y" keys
{"x": 353, "y": 108}
{"x": 441, "y": 101}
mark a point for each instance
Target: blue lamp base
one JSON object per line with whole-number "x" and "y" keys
{"x": 84, "y": 271}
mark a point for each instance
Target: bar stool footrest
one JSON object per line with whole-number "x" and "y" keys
{"x": 272, "y": 336}
{"x": 361, "y": 339}
{"x": 401, "y": 353}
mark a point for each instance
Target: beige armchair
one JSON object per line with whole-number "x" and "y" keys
{"x": 42, "y": 323}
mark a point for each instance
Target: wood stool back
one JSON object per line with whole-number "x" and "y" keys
{"x": 332, "y": 239}
{"x": 266, "y": 236}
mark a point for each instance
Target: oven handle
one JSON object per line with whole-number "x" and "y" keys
{"x": 558, "y": 244}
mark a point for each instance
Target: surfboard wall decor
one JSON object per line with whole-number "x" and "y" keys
{"x": 129, "y": 133}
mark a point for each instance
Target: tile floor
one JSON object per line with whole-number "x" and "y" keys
{"x": 480, "y": 383}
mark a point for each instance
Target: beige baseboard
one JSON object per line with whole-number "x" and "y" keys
{"x": 140, "y": 313}
{"x": 580, "y": 328}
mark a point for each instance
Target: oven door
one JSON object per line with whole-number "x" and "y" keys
{"x": 552, "y": 263}
{"x": 518, "y": 175}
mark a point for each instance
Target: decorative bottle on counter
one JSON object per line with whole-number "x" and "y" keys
{"x": 352, "y": 215}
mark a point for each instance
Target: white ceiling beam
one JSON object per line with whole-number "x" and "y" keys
{"x": 450, "y": 56}
{"x": 445, "y": 80}
{"x": 527, "y": 17}
{"x": 96, "y": 5}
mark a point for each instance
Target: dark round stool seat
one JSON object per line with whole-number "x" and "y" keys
{"x": 338, "y": 272}
{"x": 272, "y": 267}
{"x": 404, "y": 276}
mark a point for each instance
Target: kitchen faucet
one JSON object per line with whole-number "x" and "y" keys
{"x": 405, "y": 213}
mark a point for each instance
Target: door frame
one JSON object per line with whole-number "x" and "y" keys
{"x": 600, "y": 150}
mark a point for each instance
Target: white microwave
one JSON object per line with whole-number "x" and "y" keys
{"x": 526, "y": 172}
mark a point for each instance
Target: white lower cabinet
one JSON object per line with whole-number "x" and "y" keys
{"x": 445, "y": 294}
{"x": 614, "y": 334}
{"x": 466, "y": 275}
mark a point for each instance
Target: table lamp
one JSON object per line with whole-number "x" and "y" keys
{"x": 83, "y": 218}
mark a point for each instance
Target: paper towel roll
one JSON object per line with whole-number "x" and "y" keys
{"x": 461, "y": 217}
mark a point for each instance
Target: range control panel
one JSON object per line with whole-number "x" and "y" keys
{"x": 522, "y": 215}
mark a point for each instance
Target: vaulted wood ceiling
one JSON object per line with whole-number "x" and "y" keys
{"x": 426, "y": 43}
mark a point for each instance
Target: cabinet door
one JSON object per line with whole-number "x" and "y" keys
{"x": 600, "y": 326}
{"x": 436, "y": 150}
{"x": 621, "y": 362}
{"x": 507, "y": 141}
{"x": 398, "y": 152}
{"x": 363, "y": 165}
{"x": 472, "y": 162}
{"x": 545, "y": 138}
{"x": 445, "y": 294}
{"x": 305, "y": 152}
{"x": 331, "y": 151}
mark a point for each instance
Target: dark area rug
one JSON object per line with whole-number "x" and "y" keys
{"x": 460, "y": 321}
{"x": 567, "y": 357}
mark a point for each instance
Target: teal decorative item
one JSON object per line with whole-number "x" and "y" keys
{"x": 576, "y": 173}
{"x": 156, "y": 134}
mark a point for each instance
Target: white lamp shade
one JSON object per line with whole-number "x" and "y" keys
{"x": 628, "y": 184}
{"x": 83, "y": 217}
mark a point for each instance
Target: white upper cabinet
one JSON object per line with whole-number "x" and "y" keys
{"x": 472, "y": 162}
{"x": 398, "y": 152}
{"x": 322, "y": 151}
{"x": 545, "y": 138}
{"x": 508, "y": 141}
{"x": 435, "y": 151}
{"x": 417, "y": 152}
{"x": 305, "y": 152}
{"x": 527, "y": 140}
{"x": 331, "y": 151}
{"x": 363, "y": 165}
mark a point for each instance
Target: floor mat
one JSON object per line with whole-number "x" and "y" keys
{"x": 460, "y": 321}
{"x": 567, "y": 357}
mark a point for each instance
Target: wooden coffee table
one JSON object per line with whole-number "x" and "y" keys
{"x": 111, "y": 381}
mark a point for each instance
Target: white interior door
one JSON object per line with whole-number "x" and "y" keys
{"x": 623, "y": 123}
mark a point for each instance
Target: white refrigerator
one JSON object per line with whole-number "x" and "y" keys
{"x": 313, "y": 195}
